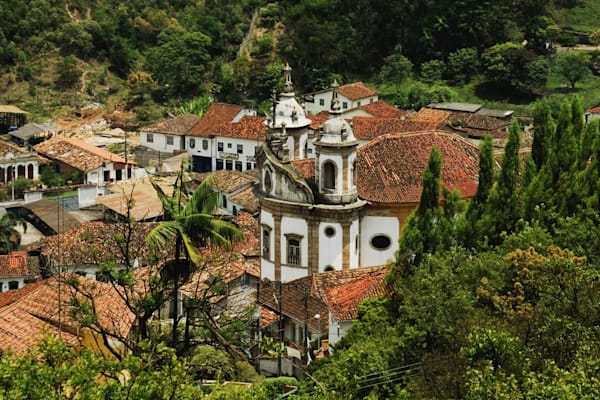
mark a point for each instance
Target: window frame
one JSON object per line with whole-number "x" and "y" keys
{"x": 293, "y": 249}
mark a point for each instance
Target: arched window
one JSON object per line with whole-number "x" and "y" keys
{"x": 268, "y": 182}
{"x": 329, "y": 172}
{"x": 329, "y": 268}
{"x": 30, "y": 171}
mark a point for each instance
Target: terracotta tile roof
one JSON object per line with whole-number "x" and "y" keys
{"x": 221, "y": 265}
{"x": 267, "y": 317}
{"x": 97, "y": 242}
{"x": 306, "y": 167}
{"x": 247, "y": 200}
{"x": 594, "y": 110}
{"x": 178, "y": 125}
{"x": 357, "y": 91}
{"x": 476, "y": 121}
{"x": 250, "y": 245}
{"x": 350, "y": 288}
{"x": 37, "y": 311}
{"x": 437, "y": 117}
{"x": 323, "y": 295}
{"x": 367, "y": 128}
{"x": 77, "y": 153}
{"x": 390, "y": 168}
{"x": 6, "y": 147}
{"x": 217, "y": 114}
{"x": 14, "y": 265}
{"x": 317, "y": 119}
{"x": 227, "y": 181}
{"x": 383, "y": 109}
{"x": 11, "y": 296}
{"x": 299, "y": 299}
{"x": 248, "y": 127}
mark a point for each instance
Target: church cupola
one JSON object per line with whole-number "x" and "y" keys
{"x": 336, "y": 154}
{"x": 287, "y": 119}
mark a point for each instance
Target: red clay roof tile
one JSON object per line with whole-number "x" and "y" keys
{"x": 357, "y": 91}
{"x": 217, "y": 114}
{"x": 367, "y": 128}
{"x": 390, "y": 168}
{"x": 383, "y": 109}
{"x": 178, "y": 125}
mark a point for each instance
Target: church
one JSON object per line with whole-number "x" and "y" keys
{"x": 344, "y": 207}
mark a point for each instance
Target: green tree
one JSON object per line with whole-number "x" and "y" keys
{"x": 543, "y": 132}
{"x": 503, "y": 207}
{"x": 595, "y": 37}
{"x": 51, "y": 177}
{"x": 420, "y": 235}
{"x": 10, "y": 237}
{"x": 190, "y": 224}
{"x": 180, "y": 61}
{"x": 462, "y": 64}
{"x": 431, "y": 71}
{"x": 573, "y": 66}
{"x": 68, "y": 72}
{"x": 396, "y": 68}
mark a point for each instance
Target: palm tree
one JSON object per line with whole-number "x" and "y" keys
{"x": 190, "y": 223}
{"x": 10, "y": 238}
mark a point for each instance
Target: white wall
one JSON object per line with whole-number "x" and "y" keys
{"x": 4, "y": 283}
{"x": 372, "y": 226}
{"x": 159, "y": 142}
{"x": 337, "y": 329}
{"x": 330, "y": 248}
{"x": 316, "y": 107}
{"x": 229, "y": 152}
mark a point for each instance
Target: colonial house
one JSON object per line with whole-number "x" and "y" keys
{"x": 235, "y": 190}
{"x": 225, "y": 137}
{"x": 165, "y": 138}
{"x": 352, "y": 95}
{"x": 16, "y": 162}
{"x": 16, "y": 269}
{"x": 94, "y": 165}
{"x": 321, "y": 305}
{"x": 44, "y": 308}
{"x": 345, "y": 208}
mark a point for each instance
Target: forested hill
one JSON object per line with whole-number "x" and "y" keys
{"x": 180, "y": 49}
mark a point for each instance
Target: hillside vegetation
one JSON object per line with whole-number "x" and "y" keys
{"x": 152, "y": 56}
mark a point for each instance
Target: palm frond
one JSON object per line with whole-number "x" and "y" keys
{"x": 164, "y": 233}
{"x": 204, "y": 199}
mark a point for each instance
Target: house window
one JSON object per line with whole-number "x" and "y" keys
{"x": 358, "y": 104}
{"x": 12, "y": 285}
{"x": 293, "y": 249}
{"x": 219, "y": 164}
{"x": 220, "y": 146}
{"x": 238, "y": 165}
{"x": 328, "y": 175}
{"x": 169, "y": 140}
{"x": 345, "y": 105}
{"x": 321, "y": 102}
{"x": 266, "y": 242}
{"x": 192, "y": 143}
{"x": 224, "y": 201}
{"x": 205, "y": 144}
{"x": 229, "y": 145}
{"x": 149, "y": 138}
{"x": 228, "y": 165}
{"x": 240, "y": 148}
{"x": 234, "y": 210}
{"x": 248, "y": 166}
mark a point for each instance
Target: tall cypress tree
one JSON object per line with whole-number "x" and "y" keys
{"x": 421, "y": 235}
{"x": 543, "y": 132}
{"x": 503, "y": 208}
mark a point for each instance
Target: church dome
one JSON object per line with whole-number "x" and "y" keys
{"x": 336, "y": 131}
{"x": 288, "y": 112}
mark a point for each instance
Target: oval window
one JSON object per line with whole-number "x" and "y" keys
{"x": 381, "y": 242}
{"x": 330, "y": 231}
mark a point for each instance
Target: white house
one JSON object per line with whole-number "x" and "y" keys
{"x": 13, "y": 270}
{"x": 225, "y": 137}
{"x": 168, "y": 137}
{"x": 95, "y": 165}
{"x": 352, "y": 95}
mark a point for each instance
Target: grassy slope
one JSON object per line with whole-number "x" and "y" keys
{"x": 584, "y": 18}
